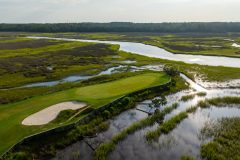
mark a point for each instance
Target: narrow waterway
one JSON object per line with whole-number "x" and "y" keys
{"x": 182, "y": 140}
{"x": 150, "y": 51}
{"x": 74, "y": 78}
{"x": 153, "y": 51}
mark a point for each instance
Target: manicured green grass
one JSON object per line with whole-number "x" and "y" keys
{"x": 12, "y": 131}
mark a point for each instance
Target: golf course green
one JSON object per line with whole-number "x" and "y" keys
{"x": 12, "y": 115}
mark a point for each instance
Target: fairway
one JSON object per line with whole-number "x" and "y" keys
{"x": 12, "y": 131}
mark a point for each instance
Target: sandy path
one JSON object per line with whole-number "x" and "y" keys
{"x": 48, "y": 114}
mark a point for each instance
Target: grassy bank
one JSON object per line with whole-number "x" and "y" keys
{"x": 95, "y": 95}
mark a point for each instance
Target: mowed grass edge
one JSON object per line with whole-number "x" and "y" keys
{"x": 11, "y": 115}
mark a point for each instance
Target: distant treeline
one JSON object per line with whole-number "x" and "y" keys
{"x": 215, "y": 27}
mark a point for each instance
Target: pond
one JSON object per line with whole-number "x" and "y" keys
{"x": 181, "y": 140}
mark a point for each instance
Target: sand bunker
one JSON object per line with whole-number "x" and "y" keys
{"x": 48, "y": 114}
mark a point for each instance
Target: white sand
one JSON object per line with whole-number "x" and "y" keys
{"x": 48, "y": 114}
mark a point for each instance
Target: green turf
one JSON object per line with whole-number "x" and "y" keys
{"x": 12, "y": 131}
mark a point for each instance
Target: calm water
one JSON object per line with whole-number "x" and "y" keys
{"x": 71, "y": 78}
{"x": 111, "y": 70}
{"x": 185, "y": 135}
{"x": 152, "y": 51}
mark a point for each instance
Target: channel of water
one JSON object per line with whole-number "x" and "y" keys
{"x": 184, "y": 137}
{"x": 153, "y": 51}
{"x": 150, "y": 51}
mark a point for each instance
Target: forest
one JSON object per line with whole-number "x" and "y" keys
{"x": 214, "y": 27}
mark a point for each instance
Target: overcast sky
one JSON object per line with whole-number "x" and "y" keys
{"x": 54, "y": 11}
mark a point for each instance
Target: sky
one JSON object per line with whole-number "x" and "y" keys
{"x": 138, "y": 11}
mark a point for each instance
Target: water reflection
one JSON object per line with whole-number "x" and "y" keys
{"x": 71, "y": 78}
{"x": 185, "y": 134}
{"x": 152, "y": 51}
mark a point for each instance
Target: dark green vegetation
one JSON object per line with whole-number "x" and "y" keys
{"x": 171, "y": 71}
{"x": 46, "y": 146}
{"x": 226, "y": 143}
{"x": 224, "y": 101}
{"x": 187, "y": 97}
{"x": 186, "y": 157}
{"x": 158, "y": 102}
{"x": 105, "y": 148}
{"x": 126, "y": 27}
{"x": 104, "y": 125}
{"x": 191, "y": 96}
{"x": 201, "y": 94}
{"x": 165, "y": 127}
{"x": 95, "y": 95}
{"x": 219, "y": 102}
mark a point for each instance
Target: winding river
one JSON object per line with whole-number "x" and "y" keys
{"x": 153, "y": 51}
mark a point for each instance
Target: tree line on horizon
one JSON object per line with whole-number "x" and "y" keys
{"x": 213, "y": 27}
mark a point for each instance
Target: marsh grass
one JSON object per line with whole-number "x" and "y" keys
{"x": 165, "y": 127}
{"x": 219, "y": 102}
{"x": 226, "y": 143}
{"x": 104, "y": 126}
{"x": 105, "y": 148}
{"x": 192, "y": 109}
{"x": 203, "y": 104}
{"x": 168, "y": 142}
{"x": 201, "y": 94}
{"x": 191, "y": 96}
{"x": 187, "y": 97}
{"x": 186, "y": 157}
{"x": 224, "y": 101}
{"x": 200, "y": 103}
